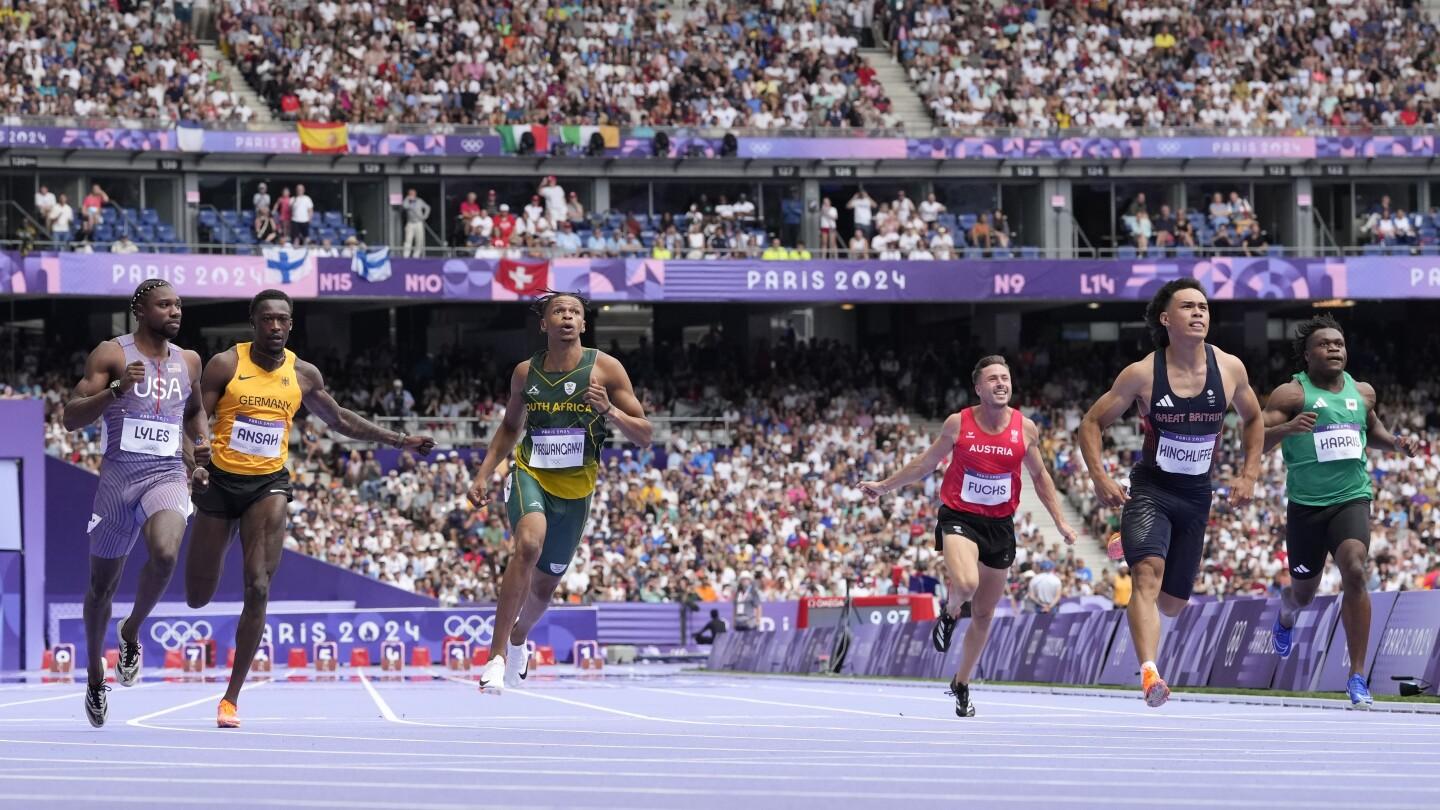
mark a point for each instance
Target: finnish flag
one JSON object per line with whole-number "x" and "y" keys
{"x": 289, "y": 262}
{"x": 371, "y": 265}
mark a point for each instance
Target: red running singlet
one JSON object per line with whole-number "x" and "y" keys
{"x": 984, "y": 474}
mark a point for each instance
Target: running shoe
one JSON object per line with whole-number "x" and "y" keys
{"x": 1156, "y": 692}
{"x": 227, "y": 716}
{"x": 961, "y": 693}
{"x": 96, "y": 704}
{"x": 1359, "y": 692}
{"x": 128, "y": 669}
{"x": 1280, "y": 640}
{"x": 943, "y": 630}
{"x": 492, "y": 677}
{"x": 517, "y": 664}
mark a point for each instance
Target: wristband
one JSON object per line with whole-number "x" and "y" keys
{"x": 400, "y": 442}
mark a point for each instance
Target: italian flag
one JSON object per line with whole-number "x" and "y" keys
{"x": 510, "y": 137}
{"x": 580, "y": 136}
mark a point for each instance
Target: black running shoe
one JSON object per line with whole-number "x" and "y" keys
{"x": 128, "y": 669}
{"x": 961, "y": 693}
{"x": 943, "y": 631}
{"x": 96, "y": 704}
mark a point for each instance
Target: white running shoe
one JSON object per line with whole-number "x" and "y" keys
{"x": 127, "y": 670}
{"x": 517, "y": 664}
{"x": 492, "y": 677}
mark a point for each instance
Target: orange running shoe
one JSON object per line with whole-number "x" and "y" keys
{"x": 228, "y": 716}
{"x": 1156, "y": 692}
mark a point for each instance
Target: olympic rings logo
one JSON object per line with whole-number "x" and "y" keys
{"x": 478, "y": 629}
{"x": 171, "y": 635}
{"x": 474, "y": 145}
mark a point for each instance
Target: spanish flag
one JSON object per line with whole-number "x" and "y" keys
{"x": 323, "y": 138}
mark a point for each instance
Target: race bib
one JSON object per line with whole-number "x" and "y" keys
{"x": 986, "y": 489}
{"x": 557, "y": 448}
{"x": 150, "y": 437}
{"x": 1185, "y": 455}
{"x": 1338, "y": 442}
{"x": 257, "y": 437}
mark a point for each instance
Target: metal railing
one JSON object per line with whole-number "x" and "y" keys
{"x": 719, "y": 132}
{"x": 959, "y": 254}
{"x": 471, "y": 431}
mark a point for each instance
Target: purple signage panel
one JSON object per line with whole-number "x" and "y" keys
{"x": 1245, "y": 658}
{"x": 1192, "y": 651}
{"x": 12, "y": 594}
{"x": 1336, "y": 669}
{"x": 1120, "y": 667}
{"x": 950, "y": 661}
{"x": 1408, "y": 643}
{"x": 775, "y": 650}
{"x": 130, "y": 140}
{"x": 192, "y": 275}
{"x": 722, "y": 652}
{"x": 862, "y": 649}
{"x": 1043, "y": 666}
{"x": 1007, "y": 650}
{"x": 1028, "y": 646}
{"x": 1001, "y": 628}
{"x": 560, "y": 628}
{"x": 888, "y": 646}
{"x": 822, "y": 148}
{"x": 1310, "y": 637}
{"x": 390, "y": 279}
{"x": 1085, "y": 653}
{"x": 919, "y": 658}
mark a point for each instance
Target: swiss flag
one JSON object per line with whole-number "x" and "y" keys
{"x": 524, "y": 278}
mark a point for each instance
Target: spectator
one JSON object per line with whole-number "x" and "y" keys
{"x": 1255, "y": 243}
{"x": 123, "y": 245}
{"x": 859, "y": 245}
{"x": 568, "y": 242}
{"x": 574, "y": 211}
{"x": 556, "y": 209}
{"x": 982, "y": 235}
{"x": 1164, "y": 226}
{"x": 44, "y": 202}
{"x": 302, "y": 208}
{"x": 1144, "y": 232}
{"x": 398, "y": 401}
{"x": 91, "y": 205}
{"x": 931, "y": 209}
{"x": 1045, "y": 590}
{"x": 417, "y": 213}
{"x": 862, "y": 209}
{"x": 1122, "y": 586}
{"x": 284, "y": 208}
{"x": 712, "y": 628}
{"x": 747, "y": 604}
{"x": 266, "y": 231}
{"x": 261, "y": 198}
{"x": 829, "y": 230}
{"x": 60, "y": 220}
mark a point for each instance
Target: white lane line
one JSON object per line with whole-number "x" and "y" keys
{"x": 221, "y": 801}
{"x": 1008, "y": 796}
{"x": 67, "y": 696}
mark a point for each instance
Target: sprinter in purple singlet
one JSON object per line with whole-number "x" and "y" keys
{"x": 142, "y": 385}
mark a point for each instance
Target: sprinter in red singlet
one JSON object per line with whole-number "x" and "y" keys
{"x": 976, "y": 526}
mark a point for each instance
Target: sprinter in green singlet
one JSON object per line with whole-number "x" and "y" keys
{"x": 565, "y": 399}
{"x": 1324, "y": 420}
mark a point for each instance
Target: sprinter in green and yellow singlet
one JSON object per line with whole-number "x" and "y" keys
{"x": 1324, "y": 420}
{"x": 564, "y": 399}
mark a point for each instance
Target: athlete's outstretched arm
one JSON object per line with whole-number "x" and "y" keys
{"x": 1110, "y": 406}
{"x": 614, "y": 399}
{"x": 346, "y": 421}
{"x": 1044, "y": 485}
{"x": 1252, "y": 426}
{"x": 919, "y": 467}
{"x": 506, "y": 435}
{"x": 197, "y": 419}
{"x": 1377, "y": 434}
{"x": 92, "y": 394}
{"x": 1285, "y": 414}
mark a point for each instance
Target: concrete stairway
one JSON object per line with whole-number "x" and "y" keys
{"x": 210, "y": 52}
{"x": 914, "y": 115}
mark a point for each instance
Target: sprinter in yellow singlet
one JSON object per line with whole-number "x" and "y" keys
{"x": 254, "y": 389}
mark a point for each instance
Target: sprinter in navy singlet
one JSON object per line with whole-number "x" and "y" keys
{"x": 1181, "y": 391}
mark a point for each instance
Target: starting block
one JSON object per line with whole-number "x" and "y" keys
{"x": 420, "y": 656}
{"x": 192, "y": 657}
{"x": 62, "y": 659}
{"x": 264, "y": 660}
{"x": 173, "y": 660}
{"x": 480, "y": 656}
{"x": 587, "y": 655}
{"x": 544, "y": 656}
{"x": 392, "y": 656}
{"x": 327, "y": 656}
{"x": 359, "y": 657}
{"x": 457, "y": 655}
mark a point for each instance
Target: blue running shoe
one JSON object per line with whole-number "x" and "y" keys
{"x": 1280, "y": 639}
{"x": 1359, "y": 692}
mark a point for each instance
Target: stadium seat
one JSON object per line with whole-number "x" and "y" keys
{"x": 149, "y": 216}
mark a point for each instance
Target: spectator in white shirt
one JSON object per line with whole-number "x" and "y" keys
{"x": 829, "y": 230}
{"x": 859, "y": 246}
{"x": 862, "y": 207}
{"x": 44, "y": 201}
{"x": 931, "y": 209}
{"x": 942, "y": 244}
{"x": 554, "y": 196}
{"x": 302, "y": 208}
{"x": 61, "y": 219}
{"x": 124, "y": 245}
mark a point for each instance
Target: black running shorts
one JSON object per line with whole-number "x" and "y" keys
{"x": 994, "y": 536}
{"x": 229, "y": 495}
{"x": 1161, "y": 522}
{"x": 1311, "y": 532}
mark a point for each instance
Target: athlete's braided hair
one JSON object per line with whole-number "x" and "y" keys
{"x": 548, "y": 295}
{"x": 1308, "y": 328}
{"x": 143, "y": 290}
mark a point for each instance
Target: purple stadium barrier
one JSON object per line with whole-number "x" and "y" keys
{"x": 1336, "y": 669}
{"x": 1311, "y": 637}
{"x": 1245, "y": 658}
{"x": 1408, "y": 643}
